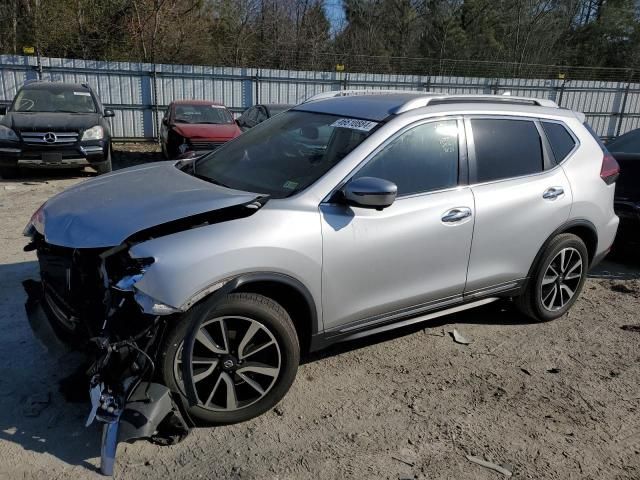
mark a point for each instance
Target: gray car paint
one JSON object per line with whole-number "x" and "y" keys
{"x": 106, "y": 210}
{"x": 354, "y": 262}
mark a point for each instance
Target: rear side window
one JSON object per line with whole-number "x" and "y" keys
{"x": 560, "y": 139}
{"x": 422, "y": 159}
{"x": 506, "y": 148}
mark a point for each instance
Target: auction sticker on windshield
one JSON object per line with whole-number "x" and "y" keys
{"x": 354, "y": 124}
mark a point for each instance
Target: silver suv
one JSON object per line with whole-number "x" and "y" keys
{"x": 348, "y": 215}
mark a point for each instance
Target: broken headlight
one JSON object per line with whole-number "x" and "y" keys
{"x": 134, "y": 271}
{"x": 36, "y": 223}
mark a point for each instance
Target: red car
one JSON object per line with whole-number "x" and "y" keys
{"x": 196, "y": 126}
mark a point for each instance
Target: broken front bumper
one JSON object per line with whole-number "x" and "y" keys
{"x": 38, "y": 316}
{"x": 146, "y": 410}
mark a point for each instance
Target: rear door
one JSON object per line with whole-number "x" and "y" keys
{"x": 521, "y": 197}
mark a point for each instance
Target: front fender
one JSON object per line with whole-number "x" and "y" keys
{"x": 275, "y": 241}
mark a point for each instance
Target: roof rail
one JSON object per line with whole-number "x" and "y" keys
{"x": 448, "y": 99}
{"x": 424, "y": 99}
{"x": 353, "y": 92}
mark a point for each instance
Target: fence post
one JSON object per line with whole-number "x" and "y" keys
{"x": 495, "y": 87}
{"x": 561, "y": 93}
{"x": 624, "y": 105}
{"x": 345, "y": 81}
{"x": 256, "y": 82}
{"x": 427, "y": 84}
{"x": 154, "y": 106}
{"x": 38, "y": 64}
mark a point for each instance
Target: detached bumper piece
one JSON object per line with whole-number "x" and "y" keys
{"x": 149, "y": 413}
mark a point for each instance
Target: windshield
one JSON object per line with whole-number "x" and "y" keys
{"x": 284, "y": 154}
{"x": 202, "y": 114}
{"x": 54, "y": 99}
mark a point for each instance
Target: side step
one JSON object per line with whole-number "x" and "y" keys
{"x": 421, "y": 318}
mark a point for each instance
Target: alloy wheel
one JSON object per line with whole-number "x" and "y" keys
{"x": 236, "y": 361}
{"x": 561, "y": 279}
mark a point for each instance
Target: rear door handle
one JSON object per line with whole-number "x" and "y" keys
{"x": 456, "y": 214}
{"x": 552, "y": 193}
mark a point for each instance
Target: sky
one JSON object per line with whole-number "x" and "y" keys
{"x": 335, "y": 14}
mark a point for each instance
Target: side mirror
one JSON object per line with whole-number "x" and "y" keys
{"x": 3, "y": 109}
{"x": 165, "y": 121}
{"x": 370, "y": 192}
{"x": 109, "y": 114}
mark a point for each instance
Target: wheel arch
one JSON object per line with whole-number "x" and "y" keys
{"x": 582, "y": 228}
{"x": 290, "y": 293}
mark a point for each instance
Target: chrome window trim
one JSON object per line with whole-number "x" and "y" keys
{"x": 463, "y": 157}
{"x": 576, "y": 140}
{"x": 472, "y": 151}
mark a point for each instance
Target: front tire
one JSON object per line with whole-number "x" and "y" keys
{"x": 106, "y": 166}
{"x": 557, "y": 280}
{"x": 245, "y": 358}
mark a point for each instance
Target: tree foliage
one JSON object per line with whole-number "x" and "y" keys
{"x": 378, "y": 35}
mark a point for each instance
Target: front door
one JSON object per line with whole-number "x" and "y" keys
{"x": 412, "y": 254}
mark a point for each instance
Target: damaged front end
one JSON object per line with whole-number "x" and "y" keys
{"x": 86, "y": 300}
{"x": 87, "y": 297}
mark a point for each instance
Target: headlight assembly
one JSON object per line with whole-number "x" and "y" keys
{"x": 7, "y": 134}
{"x": 93, "y": 133}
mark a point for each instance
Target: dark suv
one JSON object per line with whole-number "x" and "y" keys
{"x": 55, "y": 125}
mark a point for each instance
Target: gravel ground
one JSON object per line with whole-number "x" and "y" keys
{"x": 555, "y": 400}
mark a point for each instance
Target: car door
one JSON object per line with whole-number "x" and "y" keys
{"x": 413, "y": 255}
{"x": 521, "y": 197}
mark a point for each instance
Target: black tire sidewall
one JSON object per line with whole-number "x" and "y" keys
{"x": 259, "y": 308}
{"x": 559, "y": 243}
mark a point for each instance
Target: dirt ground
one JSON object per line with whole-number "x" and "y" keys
{"x": 557, "y": 400}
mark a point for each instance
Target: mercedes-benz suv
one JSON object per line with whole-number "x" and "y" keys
{"x": 347, "y": 215}
{"x": 54, "y": 125}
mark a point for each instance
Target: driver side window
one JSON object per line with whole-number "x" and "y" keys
{"x": 422, "y": 159}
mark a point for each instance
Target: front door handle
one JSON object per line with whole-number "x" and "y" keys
{"x": 456, "y": 214}
{"x": 552, "y": 193}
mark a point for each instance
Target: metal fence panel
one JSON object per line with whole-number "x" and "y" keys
{"x": 140, "y": 92}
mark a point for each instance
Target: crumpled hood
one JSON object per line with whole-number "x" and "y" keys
{"x": 206, "y": 131}
{"x": 51, "y": 122}
{"x": 106, "y": 210}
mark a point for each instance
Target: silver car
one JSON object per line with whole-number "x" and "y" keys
{"x": 199, "y": 283}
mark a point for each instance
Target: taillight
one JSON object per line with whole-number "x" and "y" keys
{"x": 610, "y": 169}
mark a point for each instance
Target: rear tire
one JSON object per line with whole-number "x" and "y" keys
{"x": 557, "y": 279}
{"x": 248, "y": 369}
